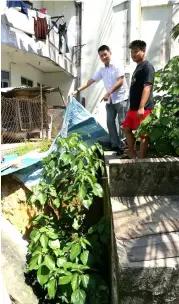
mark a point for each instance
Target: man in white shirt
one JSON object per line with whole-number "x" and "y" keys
{"x": 116, "y": 96}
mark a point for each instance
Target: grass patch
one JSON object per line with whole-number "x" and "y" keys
{"x": 30, "y": 146}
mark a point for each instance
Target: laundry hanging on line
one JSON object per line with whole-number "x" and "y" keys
{"x": 40, "y": 28}
{"x": 62, "y": 32}
{"x": 21, "y": 4}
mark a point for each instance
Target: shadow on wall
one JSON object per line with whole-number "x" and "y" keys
{"x": 156, "y": 21}
{"x": 102, "y": 33}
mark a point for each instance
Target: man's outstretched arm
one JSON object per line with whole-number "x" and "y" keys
{"x": 84, "y": 86}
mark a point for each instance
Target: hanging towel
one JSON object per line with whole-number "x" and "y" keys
{"x": 40, "y": 28}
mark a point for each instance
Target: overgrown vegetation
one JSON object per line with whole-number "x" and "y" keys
{"x": 162, "y": 125}
{"x": 29, "y": 146}
{"x": 66, "y": 256}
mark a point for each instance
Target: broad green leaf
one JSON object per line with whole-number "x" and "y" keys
{"x": 74, "y": 281}
{"x": 53, "y": 191}
{"x": 101, "y": 228}
{"x": 65, "y": 279}
{"x": 86, "y": 241}
{"x": 43, "y": 275}
{"x": 75, "y": 251}
{"x": 146, "y": 120}
{"x": 56, "y": 203}
{"x": 157, "y": 110}
{"x": 34, "y": 262}
{"x": 98, "y": 190}
{"x": 44, "y": 240}
{"x": 42, "y": 197}
{"x": 54, "y": 244}
{"x": 83, "y": 146}
{"x": 80, "y": 165}
{"x": 84, "y": 257}
{"x": 53, "y": 236}
{"x": 49, "y": 262}
{"x": 52, "y": 288}
{"x": 175, "y": 143}
{"x": 78, "y": 296}
{"x": 103, "y": 239}
{"x": 36, "y": 249}
{"x": 87, "y": 203}
{"x": 81, "y": 192}
{"x": 76, "y": 224}
{"x": 175, "y": 91}
{"x": 68, "y": 265}
{"x": 177, "y": 151}
{"x": 61, "y": 261}
{"x": 155, "y": 134}
{"x": 165, "y": 121}
{"x": 85, "y": 280}
{"x": 35, "y": 235}
{"x": 67, "y": 158}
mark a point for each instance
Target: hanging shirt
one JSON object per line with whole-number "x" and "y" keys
{"x": 109, "y": 75}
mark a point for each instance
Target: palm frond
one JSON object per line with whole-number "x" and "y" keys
{"x": 175, "y": 32}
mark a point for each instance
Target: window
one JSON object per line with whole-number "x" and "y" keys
{"x": 26, "y": 82}
{"x": 5, "y": 79}
{"x": 38, "y": 84}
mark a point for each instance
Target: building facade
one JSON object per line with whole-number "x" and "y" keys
{"x": 116, "y": 23}
{"x": 31, "y": 59}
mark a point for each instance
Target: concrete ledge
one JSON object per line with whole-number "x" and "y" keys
{"x": 152, "y": 176}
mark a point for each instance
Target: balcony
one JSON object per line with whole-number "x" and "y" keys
{"x": 17, "y": 31}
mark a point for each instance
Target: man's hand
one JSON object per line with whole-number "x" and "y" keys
{"x": 140, "y": 113}
{"x": 106, "y": 96}
{"x": 75, "y": 93}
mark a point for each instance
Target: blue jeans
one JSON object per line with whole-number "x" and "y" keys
{"x": 118, "y": 110}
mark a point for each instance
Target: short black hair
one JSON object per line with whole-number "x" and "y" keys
{"x": 104, "y": 48}
{"x": 140, "y": 44}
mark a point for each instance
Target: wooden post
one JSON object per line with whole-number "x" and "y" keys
{"x": 41, "y": 102}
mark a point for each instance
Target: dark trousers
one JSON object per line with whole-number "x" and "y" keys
{"x": 118, "y": 111}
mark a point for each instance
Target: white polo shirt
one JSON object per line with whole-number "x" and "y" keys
{"x": 110, "y": 75}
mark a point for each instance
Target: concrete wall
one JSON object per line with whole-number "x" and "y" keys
{"x": 61, "y": 80}
{"x": 20, "y": 70}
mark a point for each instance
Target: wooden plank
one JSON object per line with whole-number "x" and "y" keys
{"x": 153, "y": 247}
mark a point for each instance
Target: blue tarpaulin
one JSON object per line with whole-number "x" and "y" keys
{"x": 76, "y": 120}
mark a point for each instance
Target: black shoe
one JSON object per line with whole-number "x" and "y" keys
{"x": 119, "y": 152}
{"x": 107, "y": 148}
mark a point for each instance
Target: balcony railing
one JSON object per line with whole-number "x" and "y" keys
{"x": 13, "y": 20}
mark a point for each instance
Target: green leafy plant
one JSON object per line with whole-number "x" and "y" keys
{"x": 175, "y": 32}
{"x": 65, "y": 254}
{"x": 162, "y": 125}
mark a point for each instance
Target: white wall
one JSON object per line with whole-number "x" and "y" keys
{"x": 61, "y": 80}
{"x": 96, "y": 30}
{"x": 159, "y": 21}
{"x": 20, "y": 70}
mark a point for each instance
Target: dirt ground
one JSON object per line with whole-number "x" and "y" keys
{"x": 13, "y": 204}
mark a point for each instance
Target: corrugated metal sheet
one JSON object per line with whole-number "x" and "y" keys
{"x": 46, "y": 89}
